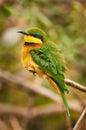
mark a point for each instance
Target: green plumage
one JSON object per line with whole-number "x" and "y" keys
{"x": 48, "y": 59}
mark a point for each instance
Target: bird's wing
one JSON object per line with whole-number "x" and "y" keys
{"x": 47, "y": 58}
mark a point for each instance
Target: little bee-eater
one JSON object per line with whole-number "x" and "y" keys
{"x": 42, "y": 57}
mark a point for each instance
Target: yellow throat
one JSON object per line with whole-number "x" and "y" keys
{"x": 27, "y": 60}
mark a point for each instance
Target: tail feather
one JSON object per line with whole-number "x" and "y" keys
{"x": 65, "y": 102}
{"x": 61, "y": 90}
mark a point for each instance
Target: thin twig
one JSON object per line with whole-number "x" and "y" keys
{"x": 15, "y": 123}
{"x": 3, "y": 125}
{"x": 80, "y": 120}
{"x": 75, "y": 85}
{"x": 68, "y": 122}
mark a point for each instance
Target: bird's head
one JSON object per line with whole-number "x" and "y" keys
{"x": 34, "y": 37}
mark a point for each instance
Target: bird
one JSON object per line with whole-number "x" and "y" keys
{"x": 41, "y": 56}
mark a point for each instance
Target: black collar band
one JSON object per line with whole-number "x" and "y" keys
{"x": 29, "y": 43}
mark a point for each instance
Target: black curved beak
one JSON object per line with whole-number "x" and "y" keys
{"x": 22, "y": 32}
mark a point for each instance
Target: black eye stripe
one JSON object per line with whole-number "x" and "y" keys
{"x": 37, "y": 36}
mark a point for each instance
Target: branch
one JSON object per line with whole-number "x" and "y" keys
{"x": 15, "y": 123}
{"x": 80, "y": 120}
{"x": 37, "y": 111}
{"x": 21, "y": 83}
{"x": 75, "y": 85}
{"x": 28, "y": 87}
{"x": 3, "y": 125}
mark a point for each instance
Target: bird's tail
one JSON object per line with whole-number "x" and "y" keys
{"x": 65, "y": 103}
{"x": 55, "y": 85}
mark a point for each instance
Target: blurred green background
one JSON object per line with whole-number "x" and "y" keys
{"x": 65, "y": 24}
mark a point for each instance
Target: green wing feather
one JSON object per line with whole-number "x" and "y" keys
{"x": 48, "y": 60}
